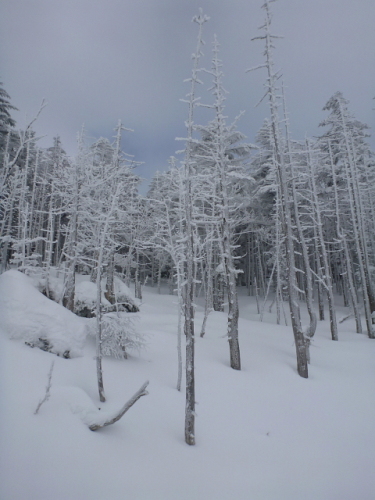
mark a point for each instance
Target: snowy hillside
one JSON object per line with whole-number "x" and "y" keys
{"x": 28, "y": 315}
{"x": 262, "y": 433}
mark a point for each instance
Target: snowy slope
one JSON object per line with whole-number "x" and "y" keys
{"x": 262, "y": 434}
{"x": 28, "y": 315}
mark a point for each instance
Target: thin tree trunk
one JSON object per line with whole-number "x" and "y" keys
{"x": 347, "y": 260}
{"x": 327, "y": 272}
{"x": 189, "y": 252}
{"x": 285, "y": 202}
{"x": 355, "y": 206}
{"x": 208, "y": 306}
{"x": 137, "y": 282}
{"x": 110, "y": 282}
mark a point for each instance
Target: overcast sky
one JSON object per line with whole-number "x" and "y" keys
{"x": 96, "y": 61}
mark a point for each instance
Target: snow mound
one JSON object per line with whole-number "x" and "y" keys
{"x": 86, "y": 296}
{"x": 124, "y": 296}
{"x": 82, "y": 405}
{"x": 85, "y": 299}
{"x": 28, "y": 315}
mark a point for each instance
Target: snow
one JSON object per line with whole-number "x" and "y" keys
{"x": 86, "y": 294}
{"x": 85, "y": 291}
{"x": 28, "y": 315}
{"x": 55, "y": 284}
{"x": 121, "y": 289}
{"x": 262, "y": 433}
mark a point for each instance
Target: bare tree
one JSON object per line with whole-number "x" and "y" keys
{"x": 283, "y": 180}
{"x": 223, "y": 156}
{"x": 317, "y": 220}
{"x": 189, "y": 242}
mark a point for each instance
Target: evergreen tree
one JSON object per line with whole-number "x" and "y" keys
{"x": 351, "y": 157}
{"x": 6, "y": 119}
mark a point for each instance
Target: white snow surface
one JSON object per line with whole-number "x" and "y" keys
{"x": 262, "y": 433}
{"x": 28, "y": 315}
{"x": 85, "y": 291}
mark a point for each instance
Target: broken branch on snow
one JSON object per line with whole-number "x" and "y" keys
{"x": 141, "y": 392}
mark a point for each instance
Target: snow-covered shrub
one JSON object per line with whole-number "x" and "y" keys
{"x": 119, "y": 334}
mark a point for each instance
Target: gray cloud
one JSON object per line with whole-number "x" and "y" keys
{"x": 98, "y": 61}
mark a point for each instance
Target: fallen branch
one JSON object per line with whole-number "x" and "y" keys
{"x": 48, "y": 389}
{"x": 346, "y": 317}
{"x": 141, "y": 392}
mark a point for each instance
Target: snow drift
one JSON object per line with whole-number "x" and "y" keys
{"x": 86, "y": 296}
{"x": 28, "y": 315}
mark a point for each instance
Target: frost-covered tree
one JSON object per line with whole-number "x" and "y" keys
{"x": 318, "y": 220}
{"x": 75, "y": 209}
{"x": 344, "y": 247}
{"x": 285, "y": 199}
{"x": 351, "y": 158}
{"x": 17, "y": 173}
{"x": 189, "y": 170}
{"x": 301, "y": 234}
{"x": 8, "y": 139}
{"x": 220, "y": 155}
{"x": 166, "y": 214}
{"x": 6, "y": 107}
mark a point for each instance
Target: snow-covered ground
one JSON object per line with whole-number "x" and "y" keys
{"x": 28, "y": 315}
{"x": 262, "y": 433}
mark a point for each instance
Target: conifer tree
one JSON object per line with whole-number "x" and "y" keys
{"x": 6, "y": 120}
{"x": 350, "y": 153}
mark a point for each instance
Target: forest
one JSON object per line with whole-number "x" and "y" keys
{"x": 289, "y": 223}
